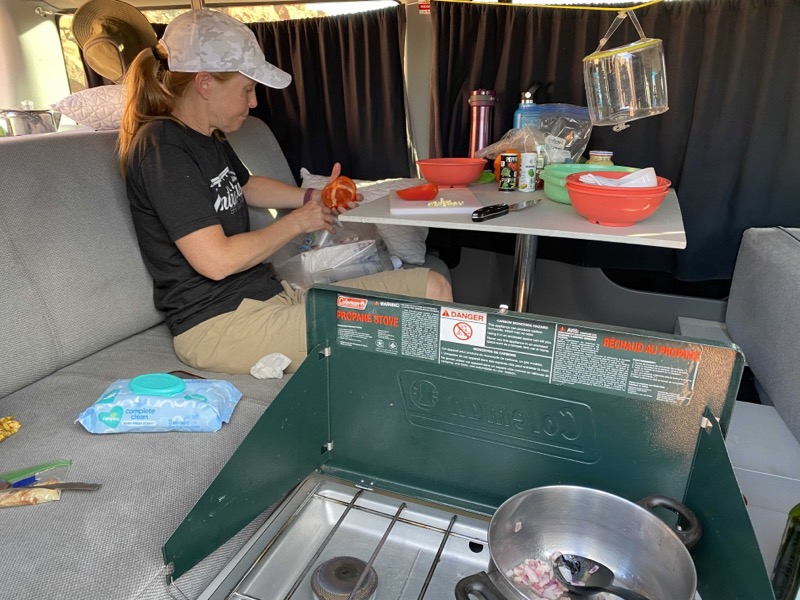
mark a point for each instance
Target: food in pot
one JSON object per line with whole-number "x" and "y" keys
{"x": 339, "y": 192}
{"x": 537, "y": 575}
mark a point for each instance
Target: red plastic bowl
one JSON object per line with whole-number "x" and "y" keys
{"x": 613, "y": 206}
{"x": 451, "y": 172}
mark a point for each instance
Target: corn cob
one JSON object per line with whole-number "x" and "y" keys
{"x": 8, "y": 427}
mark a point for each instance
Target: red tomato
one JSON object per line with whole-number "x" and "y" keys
{"x": 339, "y": 192}
{"x": 426, "y": 191}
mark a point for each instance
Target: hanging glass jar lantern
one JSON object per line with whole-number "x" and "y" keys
{"x": 625, "y": 83}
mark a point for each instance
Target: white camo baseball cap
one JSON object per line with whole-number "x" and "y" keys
{"x": 207, "y": 40}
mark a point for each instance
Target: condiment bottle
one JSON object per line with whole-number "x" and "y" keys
{"x": 600, "y": 157}
{"x": 541, "y": 162}
{"x": 528, "y": 176}
{"x": 786, "y": 573}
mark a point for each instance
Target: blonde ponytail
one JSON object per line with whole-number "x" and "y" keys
{"x": 151, "y": 91}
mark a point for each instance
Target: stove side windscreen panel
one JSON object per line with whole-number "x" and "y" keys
{"x": 467, "y": 406}
{"x": 282, "y": 449}
{"x": 727, "y": 557}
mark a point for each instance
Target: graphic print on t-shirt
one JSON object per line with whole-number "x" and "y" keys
{"x": 227, "y": 192}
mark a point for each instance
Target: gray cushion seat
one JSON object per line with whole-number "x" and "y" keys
{"x": 77, "y": 314}
{"x": 107, "y": 544}
{"x": 763, "y": 315}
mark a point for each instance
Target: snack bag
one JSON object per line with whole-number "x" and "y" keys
{"x": 324, "y": 257}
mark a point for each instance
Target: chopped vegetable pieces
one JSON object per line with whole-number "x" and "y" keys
{"x": 537, "y": 576}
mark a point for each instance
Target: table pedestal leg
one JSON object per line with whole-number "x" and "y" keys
{"x": 524, "y": 265}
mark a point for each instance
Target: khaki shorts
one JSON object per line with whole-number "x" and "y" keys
{"x": 234, "y": 341}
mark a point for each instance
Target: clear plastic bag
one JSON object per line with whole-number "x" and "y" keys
{"x": 524, "y": 139}
{"x": 567, "y": 129}
{"x": 563, "y": 130}
{"x": 52, "y": 472}
{"x": 324, "y": 257}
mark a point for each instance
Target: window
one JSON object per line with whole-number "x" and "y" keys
{"x": 246, "y": 14}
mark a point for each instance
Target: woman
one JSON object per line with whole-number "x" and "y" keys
{"x": 188, "y": 190}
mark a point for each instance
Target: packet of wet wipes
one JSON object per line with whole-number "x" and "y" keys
{"x": 184, "y": 405}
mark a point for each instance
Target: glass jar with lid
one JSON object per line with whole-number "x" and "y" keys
{"x": 600, "y": 157}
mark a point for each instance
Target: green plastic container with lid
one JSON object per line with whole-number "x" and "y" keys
{"x": 554, "y": 177}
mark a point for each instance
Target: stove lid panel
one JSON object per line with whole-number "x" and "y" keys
{"x": 284, "y": 446}
{"x": 469, "y": 406}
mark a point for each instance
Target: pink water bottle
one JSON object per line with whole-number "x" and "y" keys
{"x": 481, "y": 104}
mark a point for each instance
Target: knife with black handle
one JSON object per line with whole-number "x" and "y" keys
{"x": 67, "y": 485}
{"x": 498, "y": 210}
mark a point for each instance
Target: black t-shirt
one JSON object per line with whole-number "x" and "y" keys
{"x": 180, "y": 181}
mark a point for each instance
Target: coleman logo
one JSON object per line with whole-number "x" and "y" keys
{"x": 475, "y": 317}
{"x": 347, "y": 302}
{"x": 532, "y": 422}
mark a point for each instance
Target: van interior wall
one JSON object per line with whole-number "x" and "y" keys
{"x": 31, "y": 61}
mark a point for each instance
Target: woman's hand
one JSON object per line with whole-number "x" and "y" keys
{"x": 313, "y": 216}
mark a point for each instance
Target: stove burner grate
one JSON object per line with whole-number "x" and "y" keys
{"x": 336, "y": 579}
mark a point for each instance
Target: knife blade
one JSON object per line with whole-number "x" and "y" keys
{"x": 67, "y": 485}
{"x": 498, "y": 210}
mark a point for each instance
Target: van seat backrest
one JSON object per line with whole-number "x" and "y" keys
{"x": 763, "y": 315}
{"x": 72, "y": 280}
{"x": 256, "y": 146}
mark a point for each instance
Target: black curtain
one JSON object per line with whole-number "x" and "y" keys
{"x": 730, "y": 141}
{"x": 346, "y": 102}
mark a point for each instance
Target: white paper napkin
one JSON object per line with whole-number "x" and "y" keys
{"x": 641, "y": 178}
{"x": 270, "y": 366}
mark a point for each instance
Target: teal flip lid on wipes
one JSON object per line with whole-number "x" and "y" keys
{"x": 157, "y": 384}
{"x": 155, "y": 402}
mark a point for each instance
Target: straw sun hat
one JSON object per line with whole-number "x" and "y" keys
{"x": 111, "y": 33}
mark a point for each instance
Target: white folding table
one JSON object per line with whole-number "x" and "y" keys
{"x": 547, "y": 218}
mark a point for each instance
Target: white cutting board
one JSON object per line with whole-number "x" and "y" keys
{"x": 398, "y": 206}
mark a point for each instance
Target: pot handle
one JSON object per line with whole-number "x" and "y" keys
{"x": 478, "y": 584}
{"x": 689, "y": 535}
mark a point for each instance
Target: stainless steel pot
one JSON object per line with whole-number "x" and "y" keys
{"x": 15, "y": 122}
{"x": 645, "y": 554}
